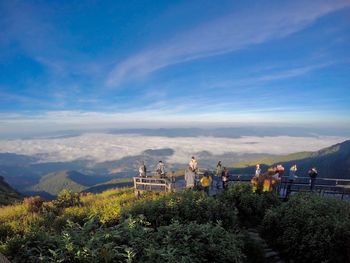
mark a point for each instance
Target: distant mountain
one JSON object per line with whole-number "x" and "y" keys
{"x": 16, "y": 159}
{"x": 331, "y": 162}
{"x": 7, "y": 194}
{"x": 236, "y": 132}
{"x": 114, "y": 183}
{"x": 53, "y": 183}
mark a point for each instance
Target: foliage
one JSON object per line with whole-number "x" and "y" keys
{"x": 130, "y": 241}
{"x": 309, "y": 228}
{"x": 194, "y": 243}
{"x": 187, "y": 206}
{"x": 16, "y": 219}
{"x": 7, "y": 194}
{"x": 33, "y": 203}
{"x": 67, "y": 198}
{"x": 115, "y": 226}
{"x": 251, "y": 206}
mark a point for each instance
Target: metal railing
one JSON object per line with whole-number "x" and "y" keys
{"x": 152, "y": 184}
{"x": 323, "y": 186}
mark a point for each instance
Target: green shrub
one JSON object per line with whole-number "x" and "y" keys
{"x": 130, "y": 241}
{"x": 67, "y": 198}
{"x": 251, "y": 206}
{"x": 309, "y": 228}
{"x": 193, "y": 243}
{"x": 33, "y": 203}
{"x": 187, "y": 206}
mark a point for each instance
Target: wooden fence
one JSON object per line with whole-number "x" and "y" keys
{"x": 142, "y": 184}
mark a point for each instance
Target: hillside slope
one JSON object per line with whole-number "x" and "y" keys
{"x": 7, "y": 194}
{"x": 53, "y": 183}
{"x": 331, "y": 162}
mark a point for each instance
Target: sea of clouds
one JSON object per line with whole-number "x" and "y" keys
{"x": 99, "y": 147}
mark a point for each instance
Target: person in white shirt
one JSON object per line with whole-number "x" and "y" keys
{"x": 189, "y": 178}
{"x": 160, "y": 169}
{"x": 193, "y": 164}
{"x": 142, "y": 170}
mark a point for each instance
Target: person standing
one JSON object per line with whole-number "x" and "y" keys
{"x": 292, "y": 176}
{"x": 206, "y": 182}
{"x": 257, "y": 170}
{"x": 142, "y": 169}
{"x": 313, "y": 175}
{"x": 280, "y": 170}
{"x": 160, "y": 169}
{"x": 225, "y": 177}
{"x": 218, "y": 172}
{"x": 193, "y": 164}
{"x": 189, "y": 178}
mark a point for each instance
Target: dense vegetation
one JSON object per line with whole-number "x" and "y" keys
{"x": 310, "y": 228}
{"x": 115, "y": 226}
{"x": 7, "y": 194}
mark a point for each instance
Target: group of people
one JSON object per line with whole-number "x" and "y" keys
{"x": 268, "y": 181}
{"x": 160, "y": 170}
{"x": 194, "y": 181}
{"x": 193, "y": 178}
{"x": 264, "y": 182}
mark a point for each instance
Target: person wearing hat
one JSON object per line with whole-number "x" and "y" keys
{"x": 292, "y": 176}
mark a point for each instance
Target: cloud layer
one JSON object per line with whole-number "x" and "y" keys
{"x": 101, "y": 147}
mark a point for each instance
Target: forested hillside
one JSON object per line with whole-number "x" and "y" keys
{"x": 7, "y": 194}
{"x": 331, "y": 162}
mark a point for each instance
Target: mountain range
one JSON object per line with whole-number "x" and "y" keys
{"x": 31, "y": 177}
{"x": 331, "y": 162}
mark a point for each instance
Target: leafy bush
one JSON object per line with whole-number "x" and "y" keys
{"x": 67, "y": 198}
{"x": 194, "y": 243}
{"x": 187, "y": 206}
{"x": 251, "y": 206}
{"x": 33, "y": 203}
{"x": 114, "y": 226}
{"x": 17, "y": 220}
{"x": 309, "y": 228}
{"x": 130, "y": 241}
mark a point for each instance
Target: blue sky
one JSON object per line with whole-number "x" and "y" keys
{"x": 84, "y": 64}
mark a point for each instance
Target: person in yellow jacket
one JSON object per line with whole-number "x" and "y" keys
{"x": 206, "y": 182}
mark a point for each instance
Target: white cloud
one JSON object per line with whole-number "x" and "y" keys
{"x": 227, "y": 34}
{"x": 103, "y": 147}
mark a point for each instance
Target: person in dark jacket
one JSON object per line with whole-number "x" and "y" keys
{"x": 312, "y": 174}
{"x": 225, "y": 177}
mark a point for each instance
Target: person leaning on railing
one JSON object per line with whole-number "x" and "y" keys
{"x": 312, "y": 174}
{"x": 160, "y": 170}
{"x": 292, "y": 176}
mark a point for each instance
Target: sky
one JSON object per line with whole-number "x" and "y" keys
{"x": 90, "y": 64}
